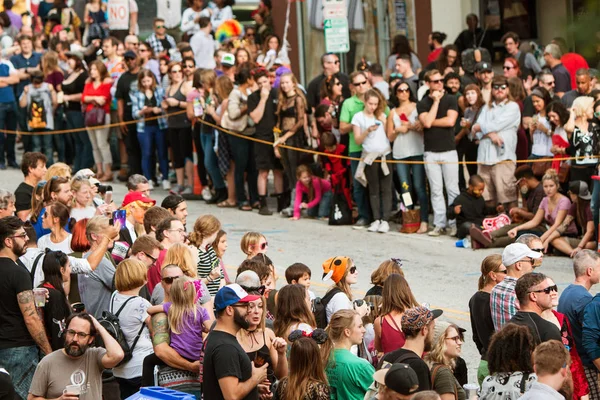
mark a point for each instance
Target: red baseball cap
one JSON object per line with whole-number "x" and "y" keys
{"x": 136, "y": 196}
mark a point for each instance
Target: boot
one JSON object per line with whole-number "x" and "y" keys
{"x": 123, "y": 175}
{"x": 264, "y": 208}
{"x": 281, "y": 201}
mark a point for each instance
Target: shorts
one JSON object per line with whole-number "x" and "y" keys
{"x": 500, "y": 182}
{"x": 264, "y": 156}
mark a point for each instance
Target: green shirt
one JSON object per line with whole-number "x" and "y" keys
{"x": 349, "y": 376}
{"x": 352, "y": 106}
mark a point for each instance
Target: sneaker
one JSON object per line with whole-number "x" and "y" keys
{"x": 166, "y": 185}
{"x": 150, "y": 185}
{"x": 374, "y": 227}
{"x": 361, "y": 223}
{"x": 13, "y": 164}
{"x": 187, "y": 190}
{"x": 176, "y": 189}
{"x": 437, "y": 231}
{"x": 206, "y": 194}
{"x": 384, "y": 227}
{"x": 452, "y": 231}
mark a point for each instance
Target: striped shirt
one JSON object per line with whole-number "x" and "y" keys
{"x": 503, "y": 302}
{"x": 207, "y": 261}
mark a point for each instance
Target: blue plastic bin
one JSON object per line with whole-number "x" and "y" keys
{"x": 160, "y": 393}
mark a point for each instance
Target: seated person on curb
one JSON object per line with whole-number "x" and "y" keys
{"x": 551, "y": 362}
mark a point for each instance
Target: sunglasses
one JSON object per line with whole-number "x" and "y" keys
{"x": 499, "y": 87}
{"x": 436, "y": 81}
{"x": 264, "y": 245}
{"x": 538, "y": 250}
{"x": 402, "y": 90}
{"x": 353, "y": 270}
{"x": 547, "y": 290}
{"x": 502, "y": 271}
{"x": 551, "y": 83}
{"x": 360, "y": 83}
{"x": 507, "y": 67}
{"x": 169, "y": 279}
{"x": 159, "y": 26}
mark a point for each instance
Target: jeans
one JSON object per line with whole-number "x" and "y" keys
{"x": 20, "y": 362}
{"x": 134, "y": 152}
{"x": 322, "y": 209}
{"x": 242, "y": 152}
{"x": 360, "y": 194}
{"x": 154, "y": 138}
{"x": 595, "y": 204}
{"x": 8, "y": 121}
{"x": 416, "y": 183}
{"x": 129, "y": 387}
{"x": 380, "y": 191}
{"x": 210, "y": 159}
{"x": 440, "y": 176}
{"x": 83, "y": 146}
{"x": 44, "y": 140}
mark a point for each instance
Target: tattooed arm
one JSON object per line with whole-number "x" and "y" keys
{"x": 161, "y": 340}
{"x": 33, "y": 322}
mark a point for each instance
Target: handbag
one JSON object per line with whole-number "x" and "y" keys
{"x": 95, "y": 117}
{"x": 411, "y": 221}
{"x": 340, "y": 213}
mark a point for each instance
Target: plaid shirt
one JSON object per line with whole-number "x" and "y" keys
{"x": 138, "y": 101}
{"x": 503, "y": 302}
{"x": 156, "y": 44}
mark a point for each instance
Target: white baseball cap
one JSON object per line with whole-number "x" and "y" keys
{"x": 516, "y": 252}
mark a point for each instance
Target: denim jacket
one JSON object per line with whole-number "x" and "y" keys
{"x": 138, "y": 100}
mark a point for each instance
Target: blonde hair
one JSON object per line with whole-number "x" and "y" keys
{"x": 58, "y": 169}
{"x": 50, "y": 63}
{"x": 204, "y": 226}
{"x": 182, "y": 304}
{"x": 95, "y": 225}
{"x": 76, "y": 185}
{"x": 581, "y": 105}
{"x": 181, "y": 255}
{"x": 250, "y": 240}
{"x": 339, "y": 322}
{"x": 437, "y": 355}
{"x": 489, "y": 264}
{"x": 551, "y": 175}
{"x": 384, "y": 270}
{"x": 130, "y": 274}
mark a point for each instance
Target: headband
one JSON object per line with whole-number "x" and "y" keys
{"x": 318, "y": 335}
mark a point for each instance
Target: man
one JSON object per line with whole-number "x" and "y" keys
{"x": 131, "y": 43}
{"x": 534, "y": 292}
{"x": 160, "y": 42}
{"x": 350, "y": 107}
{"x": 552, "y": 56}
{"x": 546, "y": 80}
{"x": 78, "y": 366}
{"x": 437, "y": 113}
{"x": 168, "y": 232}
{"x": 146, "y": 249}
{"x": 203, "y": 45}
{"x": 418, "y": 325}
{"x": 228, "y": 372}
{"x": 123, "y": 21}
{"x": 33, "y": 166}
{"x": 404, "y": 67}
{"x": 551, "y": 362}
{"x": 527, "y": 62}
{"x": 591, "y": 342}
{"x": 518, "y": 260}
{"x": 583, "y": 79}
{"x": 228, "y": 66}
{"x": 331, "y": 65}
{"x": 496, "y": 130}
{"x": 8, "y": 113}
{"x": 534, "y": 242}
{"x": 396, "y": 382}
{"x": 22, "y": 330}
{"x": 377, "y": 81}
{"x": 485, "y": 75}
{"x": 126, "y": 84}
{"x": 177, "y": 207}
{"x": 131, "y": 203}
{"x": 171, "y": 12}
{"x": 474, "y": 36}
{"x": 452, "y": 83}
{"x": 154, "y": 216}
{"x": 571, "y": 61}
{"x": 139, "y": 183}
{"x": 572, "y": 303}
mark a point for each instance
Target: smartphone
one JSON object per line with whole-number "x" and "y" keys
{"x": 119, "y": 215}
{"x": 108, "y": 197}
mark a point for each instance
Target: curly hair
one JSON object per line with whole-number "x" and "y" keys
{"x": 510, "y": 350}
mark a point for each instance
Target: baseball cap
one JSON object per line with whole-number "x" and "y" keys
{"x": 580, "y": 188}
{"x": 483, "y": 66}
{"x": 399, "y": 377}
{"x": 517, "y": 251}
{"x": 130, "y": 54}
{"x": 335, "y": 268}
{"x": 232, "y": 294}
{"x": 228, "y": 59}
{"x": 75, "y": 54}
{"x": 136, "y": 196}
{"x": 414, "y": 319}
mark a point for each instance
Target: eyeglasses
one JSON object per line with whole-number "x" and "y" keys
{"x": 456, "y": 339}
{"x": 499, "y": 87}
{"x": 436, "y": 81}
{"x": 507, "y": 67}
{"x": 169, "y": 279}
{"x": 175, "y": 71}
{"x": 402, "y": 90}
{"x": 177, "y": 230}
{"x": 81, "y": 335}
{"x": 150, "y": 257}
{"x": 20, "y": 236}
{"x": 547, "y": 290}
{"x": 353, "y": 270}
{"x": 360, "y": 83}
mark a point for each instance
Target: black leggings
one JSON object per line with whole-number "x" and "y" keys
{"x": 150, "y": 361}
{"x": 181, "y": 143}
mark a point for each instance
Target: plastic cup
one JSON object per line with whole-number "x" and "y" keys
{"x": 39, "y": 297}
{"x": 73, "y": 389}
{"x": 471, "y": 390}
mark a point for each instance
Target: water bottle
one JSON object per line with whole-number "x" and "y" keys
{"x": 463, "y": 243}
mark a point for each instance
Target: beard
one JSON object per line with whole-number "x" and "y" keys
{"x": 240, "y": 320}
{"x": 428, "y": 344}
{"x": 19, "y": 250}
{"x": 74, "y": 349}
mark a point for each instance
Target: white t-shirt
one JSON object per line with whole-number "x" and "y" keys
{"x": 407, "y": 144}
{"x": 376, "y": 141}
{"x": 170, "y": 11}
{"x": 78, "y": 265}
{"x": 80, "y": 213}
{"x": 338, "y": 302}
{"x": 45, "y": 243}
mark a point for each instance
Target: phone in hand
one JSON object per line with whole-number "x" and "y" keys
{"x": 120, "y": 216}
{"x": 108, "y": 197}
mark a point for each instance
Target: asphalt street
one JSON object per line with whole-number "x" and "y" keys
{"x": 439, "y": 273}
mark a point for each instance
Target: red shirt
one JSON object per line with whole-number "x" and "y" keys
{"x": 433, "y": 56}
{"x": 102, "y": 90}
{"x": 573, "y": 62}
{"x": 154, "y": 276}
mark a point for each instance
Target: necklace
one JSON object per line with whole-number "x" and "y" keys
{"x": 253, "y": 339}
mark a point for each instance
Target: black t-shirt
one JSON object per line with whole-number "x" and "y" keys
{"x": 439, "y": 140}
{"x": 15, "y": 279}
{"x": 541, "y": 329}
{"x": 481, "y": 321}
{"x": 56, "y": 310}
{"x": 416, "y": 363}
{"x": 313, "y": 92}
{"x": 23, "y": 196}
{"x": 562, "y": 78}
{"x": 75, "y": 87}
{"x": 224, "y": 357}
{"x": 264, "y": 128}
{"x": 126, "y": 83}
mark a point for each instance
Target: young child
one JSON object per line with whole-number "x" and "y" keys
{"x": 254, "y": 243}
{"x": 187, "y": 320}
{"x": 220, "y": 246}
{"x": 469, "y": 207}
{"x": 336, "y": 168}
{"x": 317, "y": 191}
{"x": 299, "y": 273}
{"x": 205, "y": 232}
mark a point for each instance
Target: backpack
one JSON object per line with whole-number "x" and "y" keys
{"x": 111, "y": 323}
{"x": 320, "y": 307}
{"x": 36, "y": 113}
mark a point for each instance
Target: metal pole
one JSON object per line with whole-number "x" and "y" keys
{"x": 301, "y": 54}
{"x": 383, "y": 31}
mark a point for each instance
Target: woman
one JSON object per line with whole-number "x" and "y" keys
{"x": 446, "y": 348}
{"x": 539, "y": 128}
{"x": 190, "y": 18}
{"x": 7, "y": 203}
{"x": 558, "y": 116}
{"x": 260, "y": 343}
{"x": 73, "y": 88}
{"x": 69, "y": 20}
{"x": 293, "y": 311}
{"x": 96, "y": 96}
{"x": 269, "y": 52}
{"x": 55, "y": 219}
{"x": 406, "y": 133}
{"x": 397, "y": 297}
{"x": 552, "y": 211}
{"x": 56, "y": 189}
{"x": 584, "y": 137}
{"x": 53, "y": 75}
{"x": 221, "y": 13}
{"x": 401, "y": 45}
{"x": 82, "y": 198}
{"x": 342, "y": 271}
{"x": 436, "y": 41}
{"x": 242, "y": 150}
{"x": 57, "y": 275}
{"x": 147, "y": 59}
{"x": 163, "y": 67}
{"x": 510, "y": 364}
{"x": 470, "y": 104}
{"x": 378, "y": 277}
{"x": 134, "y": 320}
{"x": 151, "y": 126}
{"x": 511, "y": 68}
{"x": 94, "y": 18}
{"x": 492, "y": 273}
{"x": 331, "y": 95}
{"x": 306, "y": 379}
{"x": 580, "y": 213}
{"x": 223, "y": 88}
{"x": 349, "y": 375}
{"x": 242, "y": 56}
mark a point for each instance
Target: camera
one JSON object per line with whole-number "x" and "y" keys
{"x": 359, "y": 303}
{"x": 314, "y": 303}
{"x": 102, "y": 189}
